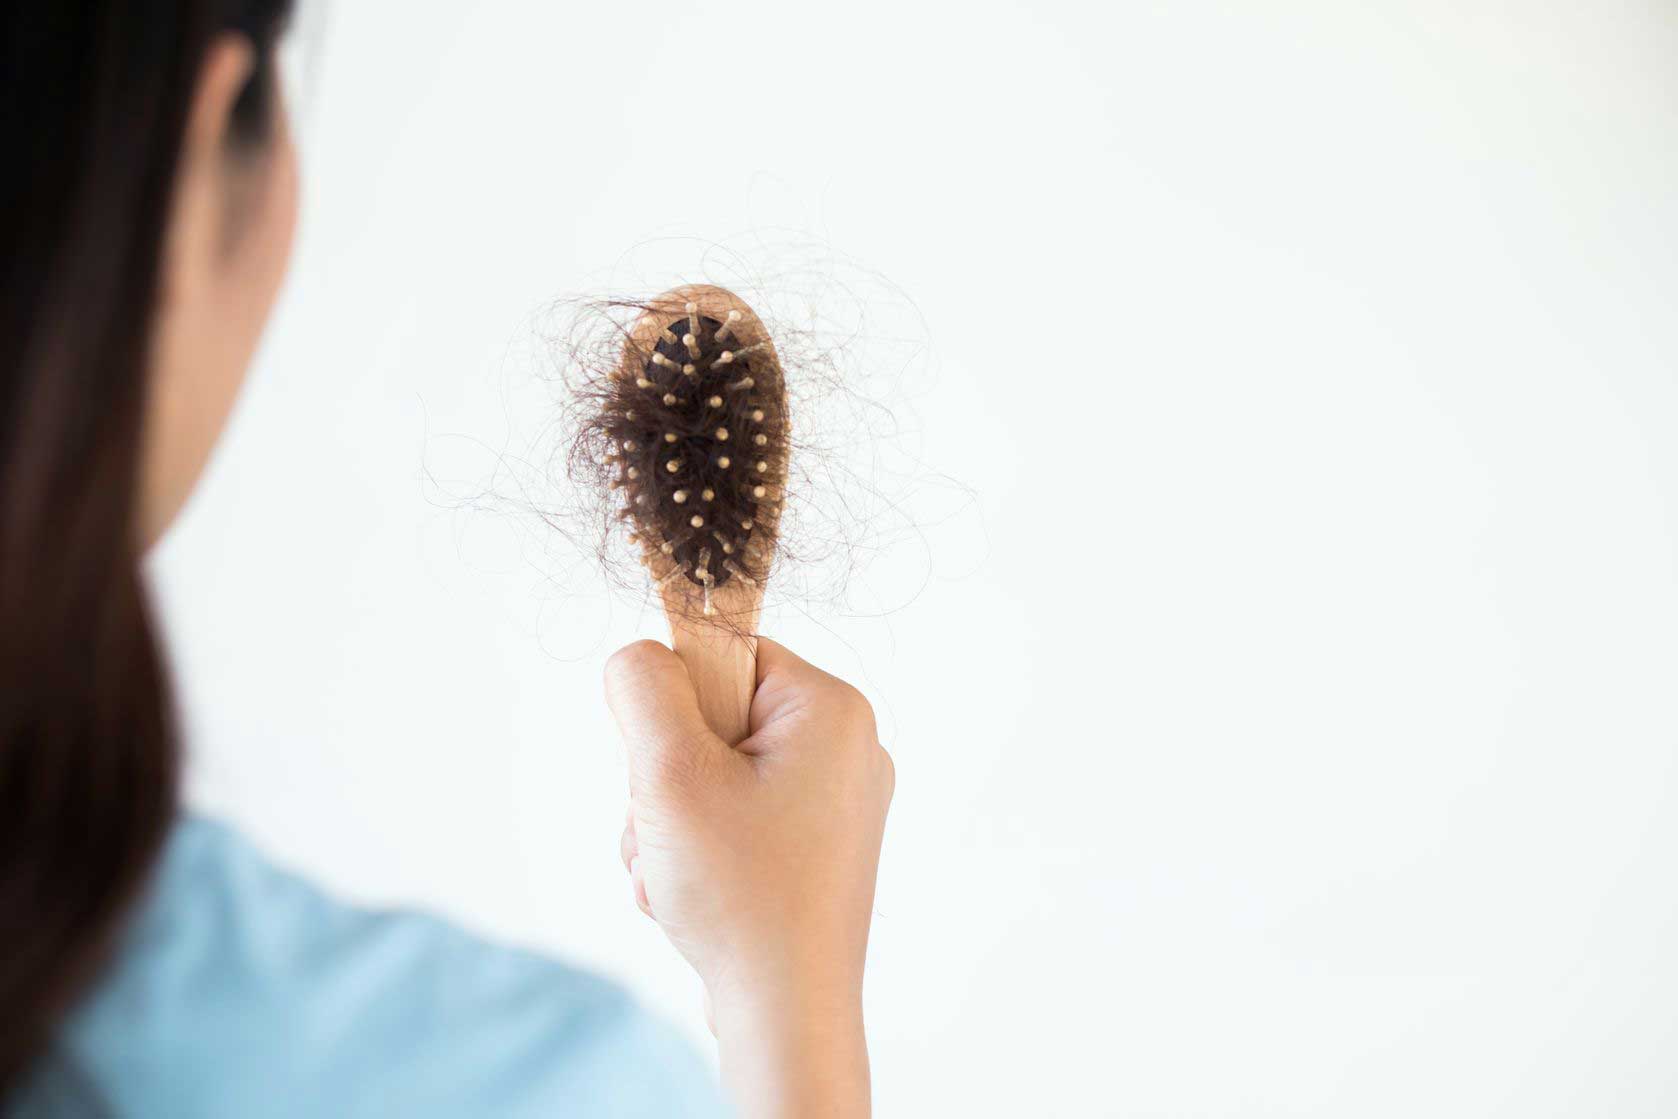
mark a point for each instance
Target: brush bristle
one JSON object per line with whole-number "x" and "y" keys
{"x": 696, "y": 426}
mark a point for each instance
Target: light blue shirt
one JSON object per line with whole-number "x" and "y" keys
{"x": 243, "y": 991}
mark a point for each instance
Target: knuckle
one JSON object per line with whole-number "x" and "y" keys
{"x": 849, "y": 702}
{"x": 860, "y": 711}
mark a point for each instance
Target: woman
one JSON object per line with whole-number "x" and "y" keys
{"x": 154, "y": 965}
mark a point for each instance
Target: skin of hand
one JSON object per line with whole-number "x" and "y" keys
{"x": 759, "y": 862}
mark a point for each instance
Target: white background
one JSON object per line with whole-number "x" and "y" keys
{"x": 1285, "y": 721}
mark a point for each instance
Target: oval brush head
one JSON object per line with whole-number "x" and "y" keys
{"x": 696, "y": 424}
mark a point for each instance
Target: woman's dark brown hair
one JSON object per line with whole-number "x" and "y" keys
{"x": 94, "y": 96}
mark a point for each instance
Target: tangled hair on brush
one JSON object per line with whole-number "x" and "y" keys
{"x": 863, "y": 524}
{"x": 689, "y": 435}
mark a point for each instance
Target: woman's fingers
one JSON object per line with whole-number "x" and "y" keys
{"x": 640, "y": 885}
{"x": 630, "y": 851}
{"x": 797, "y": 705}
{"x": 627, "y": 847}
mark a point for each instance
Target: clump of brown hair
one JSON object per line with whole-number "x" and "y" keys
{"x": 858, "y": 514}
{"x": 688, "y": 432}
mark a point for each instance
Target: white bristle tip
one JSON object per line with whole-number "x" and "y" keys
{"x": 679, "y": 496}
{"x": 675, "y": 464}
{"x": 697, "y": 521}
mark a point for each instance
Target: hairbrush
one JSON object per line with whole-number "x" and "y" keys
{"x": 695, "y": 425}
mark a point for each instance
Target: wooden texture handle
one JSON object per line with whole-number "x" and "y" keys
{"x": 723, "y": 665}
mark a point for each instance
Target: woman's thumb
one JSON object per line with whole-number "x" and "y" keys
{"x": 652, "y": 698}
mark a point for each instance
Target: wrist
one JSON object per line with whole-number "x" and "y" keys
{"x": 795, "y": 978}
{"x": 814, "y": 1012}
{"x": 794, "y": 1050}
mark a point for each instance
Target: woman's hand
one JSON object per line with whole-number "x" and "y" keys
{"x": 758, "y": 861}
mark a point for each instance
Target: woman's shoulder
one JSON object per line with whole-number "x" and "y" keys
{"x": 243, "y": 989}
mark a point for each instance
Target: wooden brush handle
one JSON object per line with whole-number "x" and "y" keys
{"x": 723, "y": 665}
